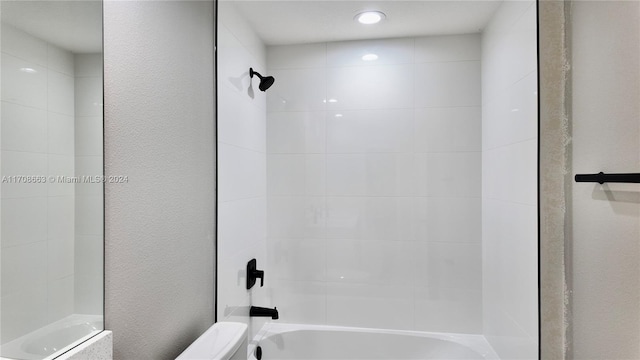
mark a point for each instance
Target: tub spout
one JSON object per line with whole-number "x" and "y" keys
{"x": 260, "y": 311}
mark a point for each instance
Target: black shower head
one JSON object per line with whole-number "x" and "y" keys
{"x": 265, "y": 81}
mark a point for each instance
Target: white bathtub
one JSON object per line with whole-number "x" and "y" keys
{"x": 292, "y": 341}
{"x": 54, "y": 339}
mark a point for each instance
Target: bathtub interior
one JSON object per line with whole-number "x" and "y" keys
{"x": 54, "y": 339}
{"x": 297, "y": 341}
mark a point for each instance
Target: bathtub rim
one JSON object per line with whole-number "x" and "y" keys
{"x": 15, "y": 346}
{"x": 475, "y": 342}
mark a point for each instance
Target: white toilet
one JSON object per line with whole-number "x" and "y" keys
{"x": 222, "y": 341}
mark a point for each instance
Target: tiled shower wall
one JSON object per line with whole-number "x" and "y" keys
{"x": 88, "y": 197}
{"x": 509, "y": 178}
{"x": 37, "y": 219}
{"x": 374, "y": 183}
{"x": 241, "y": 169}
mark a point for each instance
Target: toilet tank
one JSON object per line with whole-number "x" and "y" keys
{"x": 222, "y": 341}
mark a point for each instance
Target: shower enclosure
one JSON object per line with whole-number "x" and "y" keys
{"x": 387, "y": 179}
{"x": 51, "y": 168}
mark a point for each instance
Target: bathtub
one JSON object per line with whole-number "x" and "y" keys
{"x": 293, "y": 341}
{"x": 54, "y": 339}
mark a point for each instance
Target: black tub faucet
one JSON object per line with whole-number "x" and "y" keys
{"x": 266, "y": 312}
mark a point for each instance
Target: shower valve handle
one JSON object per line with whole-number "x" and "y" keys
{"x": 253, "y": 273}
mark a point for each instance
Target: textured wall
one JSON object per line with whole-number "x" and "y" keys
{"x": 159, "y": 131}
{"x": 605, "y": 268}
{"x": 509, "y": 181}
{"x": 554, "y": 175}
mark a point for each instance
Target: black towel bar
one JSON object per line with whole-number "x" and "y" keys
{"x": 613, "y": 178}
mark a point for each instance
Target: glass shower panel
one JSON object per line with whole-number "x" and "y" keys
{"x": 51, "y": 167}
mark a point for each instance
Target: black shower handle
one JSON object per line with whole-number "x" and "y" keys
{"x": 253, "y": 273}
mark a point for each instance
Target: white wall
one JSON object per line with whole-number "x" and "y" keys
{"x": 605, "y": 259}
{"x": 159, "y": 131}
{"x": 373, "y": 178}
{"x": 242, "y": 169}
{"x": 37, "y": 219}
{"x": 509, "y": 179}
{"x": 89, "y": 214}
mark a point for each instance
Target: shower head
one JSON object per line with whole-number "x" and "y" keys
{"x": 265, "y": 81}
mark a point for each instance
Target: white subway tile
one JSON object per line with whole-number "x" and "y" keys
{"x": 286, "y": 174}
{"x": 388, "y": 51}
{"x": 353, "y": 305}
{"x": 389, "y": 218}
{"x": 60, "y": 299}
{"x": 449, "y": 219}
{"x": 448, "y": 129}
{"x": 295, "y": 174}
{"x": 448, "y": 310}
{"x": 241, "y": 173}
{"x": 89, "y": 136}
{"x": 390, "y": 174}
{"x": 20, "y": 44}
{"x": 89, "y": 215}
{"x": 89, "y": 167}
{"x": 61, "y": 167}
{"x": 302, "y": 56}
{"x": 90, "y": 263}
{"x": 88, "y": 65}
{"x": 518, "y": 160}
{"x": 448, "y": 48}
{"x": 60, "y": 60}
{"x": 60, "y": 134}
{"x": 345, "y": 217}
{"x": 24, "y": 220}
{"x": 359, "y": 262}
{"x": 449, "y": 174}
{"x": 447, "y": 84}
{"x": 297, "y": 259}
{"x": 88, "y": 96}
{"x": 15, "y": 163}
{"x": 442, "y": 264}
{"x": 233, "y": 67}
{"x": 24, "y": 311}
{"x": 24, "y": 82}
{"x": 296, "y": 217}
{"x": 301, "y": 302}
{"x": 23, "y": 128}
{"x": 385, "y": 130}
{"x": 296, "y": 132}
{"x": 511, "y": 116}
{"x": 240, "y": 122}
{"x": 315, "y": 175}
{"x": 346, "y": 175}
{"x": 60, "y": 219}
{"x": 24, "y": 267}
{"x": 60, "y": 93}
{"x": 370, "y": 87}
{"x": 297, "y": 90}
{"x": 241, "y": 223}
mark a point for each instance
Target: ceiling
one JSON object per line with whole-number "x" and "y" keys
{"x": 308, "y": 21}
{"x": 72, "y": 25}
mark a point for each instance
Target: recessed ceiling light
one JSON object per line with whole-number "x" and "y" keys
{"x": 28, "y": 70}
{"x": 370, "y": 57}
{"x": 370, "y": 17}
